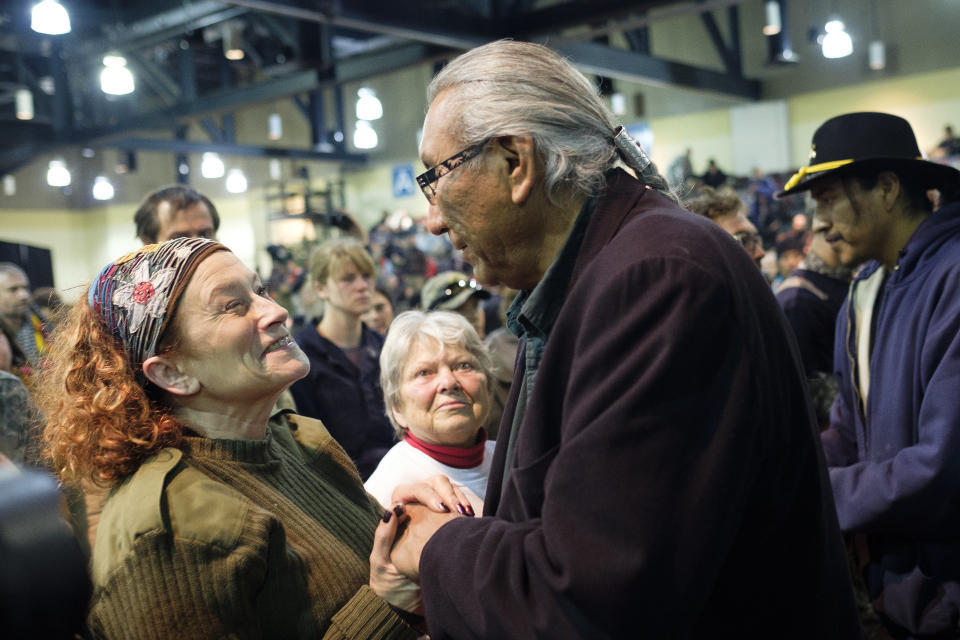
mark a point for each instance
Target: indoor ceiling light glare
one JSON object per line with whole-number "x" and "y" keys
{"x": 275, "y": 169}
{"x": 50, "y": 17}
{"x": 9, "y": 185}
{"x": 233, "y": 42}
{"x": 102, "y": 189}
{"x": 364, "y": 137}
{"x": 57, "y": 174}
{"x": 877, "y": 55}
{"x": 236, "y": 181}
{"x": 211, "y": 166}
{"x": 773, "y": 24}
{"x": 23, "y": 99}
{"x": 116, "y": 79}
{"x": 836, "y": 43}
{"x": 368, "y": 106}
{"x": 274, "y": 126}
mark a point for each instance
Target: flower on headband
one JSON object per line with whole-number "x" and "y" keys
{"x": 143, "y": 294}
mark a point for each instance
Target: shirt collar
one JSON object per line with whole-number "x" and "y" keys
{"x": 535, "y": 312}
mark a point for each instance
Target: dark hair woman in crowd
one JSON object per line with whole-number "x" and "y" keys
{"x": 223, "y": 521}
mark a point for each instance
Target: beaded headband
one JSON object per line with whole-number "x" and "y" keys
{"x": 136, "y": 294}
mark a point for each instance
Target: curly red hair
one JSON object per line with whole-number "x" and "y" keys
{"x": 101, "y": 421}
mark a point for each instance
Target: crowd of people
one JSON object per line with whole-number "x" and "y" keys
{"x": 579, "y": 399}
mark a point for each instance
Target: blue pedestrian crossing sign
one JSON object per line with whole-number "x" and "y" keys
{"x": 403, "y": 184}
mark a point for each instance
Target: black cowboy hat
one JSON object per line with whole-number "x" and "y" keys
{"x": 871, "y": 140}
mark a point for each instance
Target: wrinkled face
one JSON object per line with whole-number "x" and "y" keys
{"x": 380, "y": 314}
{"x": 193, "y": 222}
{"x": 856, "y": 229}
{"x": 232, "y": 337}
{"x": 740, "y": 227}
{"x": 444, "y": 398}
{"x": 14, "y": 294}
{"x": 473, "y": 204}
{"x": 347, "y": 290}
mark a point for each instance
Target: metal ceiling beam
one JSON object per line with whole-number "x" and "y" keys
{"x": 561, "y": 17}
{"x": 185, "y": 146}
{"x": 637, "y": 67}
{"x": 669, "y": 11}
{"x": 729, "y": 53}
{"x": 443, "y": 28}
{"x": 161, "y": 27}
{"x": 227, "y": 100}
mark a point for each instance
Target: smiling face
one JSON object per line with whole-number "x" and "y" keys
{"x": 474, "y": 205}
{"x": 231, "y": 336}
{"x": 444, "y": 397}
{"x": 853, "y": 221}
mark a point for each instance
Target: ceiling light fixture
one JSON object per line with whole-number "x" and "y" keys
{"x": 23, "y": 99}
{"x": 211, "y": 166}
{"x": 274, "y": 126}
{"x": 115, "y": 78}
{"x": 364, "y": 137}
{"x": 876, "y": 50}
{"x": 50, "y": 17}
{"x": 102, "y": 188}
{"x": 836, "y": 43}
{"x": 233, "y": 41}
{"x": 57, "y": 174}
{"x": 9, "y": 185}
{"x": 236, "y": 181}
{"x": 773, "y": 24}
{"x": 368, "y": 105}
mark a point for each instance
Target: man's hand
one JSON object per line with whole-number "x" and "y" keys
{"x": 417, "y": 526}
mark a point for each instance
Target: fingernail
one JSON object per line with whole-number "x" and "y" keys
{"x": 461, "y": 510}
{"x": 470, "y": 511}
{"x": 386, "y": 516}
{"x": 398, "y": 509}
{"x": 444, "y": 508}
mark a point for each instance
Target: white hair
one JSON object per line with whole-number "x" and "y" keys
{"x": 518, "y": 88}
{"x": 444, "y": 328}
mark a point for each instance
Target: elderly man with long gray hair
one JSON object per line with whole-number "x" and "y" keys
{"x": 657, "y": 471}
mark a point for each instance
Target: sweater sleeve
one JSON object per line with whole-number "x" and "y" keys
{"x": 187, "y": 588}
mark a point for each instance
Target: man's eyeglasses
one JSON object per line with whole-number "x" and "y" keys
{"x": 428, "y": 179}
{"x": 748, "y": 240}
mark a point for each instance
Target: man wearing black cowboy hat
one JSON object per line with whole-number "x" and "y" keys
{"x": 893, "y": 445}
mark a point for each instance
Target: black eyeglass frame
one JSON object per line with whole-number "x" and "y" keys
{"x": 428, "y": 179}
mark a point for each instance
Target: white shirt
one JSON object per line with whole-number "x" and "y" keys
{"x": 405, "y": 464}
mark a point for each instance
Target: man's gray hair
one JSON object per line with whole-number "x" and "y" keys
{"x": 443, "y": 329}
{"x": 518, "y": 88}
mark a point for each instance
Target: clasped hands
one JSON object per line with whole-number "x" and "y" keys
{"x": 419, "y": 510}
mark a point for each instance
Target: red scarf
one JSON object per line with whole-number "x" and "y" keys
{"x": 456, "y": 457}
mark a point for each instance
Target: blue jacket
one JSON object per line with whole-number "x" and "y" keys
{"x": 895, "y": 464}
{"x": 348, "y": 401}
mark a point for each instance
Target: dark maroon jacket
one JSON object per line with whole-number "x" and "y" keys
{"x": 668, "y": 480}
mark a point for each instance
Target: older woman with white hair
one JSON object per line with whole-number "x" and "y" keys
{"x": 437, "y": 382}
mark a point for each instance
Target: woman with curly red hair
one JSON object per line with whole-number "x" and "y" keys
{"x": 222, "y": 521}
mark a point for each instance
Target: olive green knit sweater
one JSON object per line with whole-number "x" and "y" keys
{"x": 241, "y": 539}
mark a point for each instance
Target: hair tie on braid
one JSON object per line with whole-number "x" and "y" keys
{"x": 630, "y": 150}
